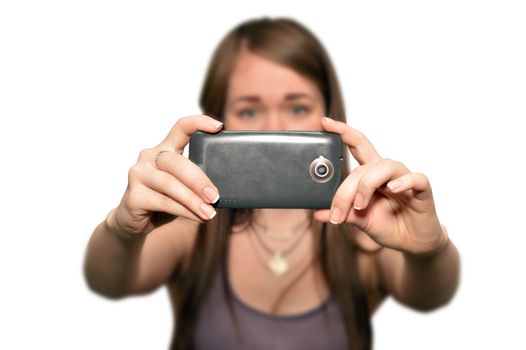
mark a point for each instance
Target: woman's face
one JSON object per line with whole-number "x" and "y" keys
{"x": 263, "y": 95}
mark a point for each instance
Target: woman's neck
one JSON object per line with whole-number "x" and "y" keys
{"x": 280, "y": 219}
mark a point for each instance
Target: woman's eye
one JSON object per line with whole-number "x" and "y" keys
{"x": 299, "y": 110}
{"x": 248, "y": 112}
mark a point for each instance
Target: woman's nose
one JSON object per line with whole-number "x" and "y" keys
{"x": 275, "y": 122}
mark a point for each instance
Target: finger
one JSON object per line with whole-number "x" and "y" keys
{"x": 183, "y": 129}
{"x": 417, "y": 182}
{"x": 344, "y": 196}
{"x": 374, "y": 178}
{"x": 153, "y": 201}
{"x": 361, "y": 148}
{"x": 170, "y": 186}
{"x": 353, "y": 217}
{"x": 360, "y": 238}
{"x": 188, "y": 173}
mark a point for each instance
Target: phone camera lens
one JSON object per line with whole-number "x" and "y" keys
{"x": 321, "y": 169}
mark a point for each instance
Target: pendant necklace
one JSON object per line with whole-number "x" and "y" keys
{"x": 277, "y": 263}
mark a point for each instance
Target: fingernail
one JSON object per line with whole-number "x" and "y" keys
{"x": 211, "y": 194}
{"x": 358, "y": 202}
{"x": 393, "y": 185}
{"x": 218, "y": 125}
{"x": 207, "y": 210}
{"x": 328, "y": 119}
{"x": 334, "y": 218}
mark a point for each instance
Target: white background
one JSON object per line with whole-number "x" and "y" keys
{"x": 84, "y": 86}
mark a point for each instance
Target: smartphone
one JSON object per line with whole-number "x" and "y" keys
{"x": 270, "y": 169}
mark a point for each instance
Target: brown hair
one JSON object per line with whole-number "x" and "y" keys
{"x": 286, "y": 42}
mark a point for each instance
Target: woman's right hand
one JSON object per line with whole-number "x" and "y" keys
{"x": 165, "y": 181}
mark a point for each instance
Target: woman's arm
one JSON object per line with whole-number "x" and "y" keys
{"x": 423, "y": 282}
{"x": 132, "y": 251}
{"x": 395, "y": 208}
{"x": 117, "y": 265}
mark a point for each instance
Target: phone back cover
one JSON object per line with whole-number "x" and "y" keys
{"x": 268, "y": 169}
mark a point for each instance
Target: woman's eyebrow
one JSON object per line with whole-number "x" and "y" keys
{"x": 255, "y": 99}
{"x": 298, "y": 95}
{"x": 247, "y": 98}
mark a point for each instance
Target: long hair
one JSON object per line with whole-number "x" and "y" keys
{"x": 290, "y": 44}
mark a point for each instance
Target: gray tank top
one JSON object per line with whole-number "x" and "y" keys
{"x": 318, "y": 328}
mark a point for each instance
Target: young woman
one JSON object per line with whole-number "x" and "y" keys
{"x": 273, "y": 278}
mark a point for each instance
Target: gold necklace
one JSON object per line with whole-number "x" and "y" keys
{"x": 277, "y": 263}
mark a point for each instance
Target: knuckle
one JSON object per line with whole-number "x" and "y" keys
{"x": 387, "y": 161}
{"x": 359, "y": 171}
{"x": 176, "y": 127}
{"x": 187, "y": 199}
{"x": 383, "y": 164}
{"x": 392, "y": 164}
{"x": 183, "y": 120}
{"x": 179, "y": 121}
{"x": 424, "y": 179}
{"x": 133, "y": 174}
{"x": 400, "y": 165}
{"x": 361, "y": 138}
{"x": 144, "y": 154}
{"x": 365, "y": 184}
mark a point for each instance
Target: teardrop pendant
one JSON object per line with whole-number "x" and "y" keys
{"x": 278, "y": 265}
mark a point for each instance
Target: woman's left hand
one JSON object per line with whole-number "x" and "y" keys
{"x": 381, "y": 197}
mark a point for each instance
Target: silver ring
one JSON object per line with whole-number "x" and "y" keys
{"x": 156, "y": 157}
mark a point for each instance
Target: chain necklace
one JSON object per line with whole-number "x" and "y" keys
{"x": 279, "y": 235}
{"x": 277, "y": 263}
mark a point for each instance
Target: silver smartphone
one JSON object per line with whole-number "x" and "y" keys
{"x": 270, "y": 169}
